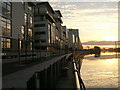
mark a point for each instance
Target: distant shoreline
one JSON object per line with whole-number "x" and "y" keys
{"x": 101, "y": 43}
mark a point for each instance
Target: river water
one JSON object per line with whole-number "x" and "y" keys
{"x": 100, "y": 72}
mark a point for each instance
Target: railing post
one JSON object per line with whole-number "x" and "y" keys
{"x": 49, "y": 77}
{"x": 37, "y": 75}
{"x": 54, "y": 75}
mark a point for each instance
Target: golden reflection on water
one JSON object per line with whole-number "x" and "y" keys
{"x": 110, "y": 53}
{"x": 111, "y": 61}
{"x": 100, "y": 72}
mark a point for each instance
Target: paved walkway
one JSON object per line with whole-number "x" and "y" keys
{"x": 11, "y": 67}
{"x": 18, "y": 79}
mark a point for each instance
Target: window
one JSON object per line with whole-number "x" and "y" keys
{"x": 49, "y": 31}
{"x": 43, "y": 48}
{"x": 5, "y": 26}
{"x": 6, "y": 9}
{"x": 23, "y": 32}
{"x": 37, "y": 47}
{"x": 31, "y": 21}
{"x": 37, "y": 41}
{"x": 42, "y": 33}
{"x": 6, "y": 43}
{"x": 39, "y": 25}
{"x": 43, "y": 41}
{"x": 37, "y": 33}
{"x": 42, "y": 18}
{"x": 30, "y": 45}
{"x": 20, "y": 45}
{"x": 52, "y": 34}
{"x": 36, "y": 11}
{"x": 29, "y": 8}
{"x": 25, "y": 18}
{"x": 30, "y": 33}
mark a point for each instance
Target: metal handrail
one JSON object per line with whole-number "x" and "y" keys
{"x": 76, "y": 77}
{"x": 79, "y": 83}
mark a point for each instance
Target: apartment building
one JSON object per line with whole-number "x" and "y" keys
{"x": 58, "y": 23}
{"x": 44, "y": 29}
{"x": 74, "y": 39}
{"x": 65, "y": 38}
{"x": 17, "y": 27}
{"x": 29, "y": 27}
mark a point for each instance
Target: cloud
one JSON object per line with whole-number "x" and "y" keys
{"x": 82, "y": 0}
{"x": 92, "y": 19}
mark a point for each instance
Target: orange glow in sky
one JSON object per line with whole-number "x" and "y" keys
{"x": 109, "y": 38}
{"x": 96, "y": 21}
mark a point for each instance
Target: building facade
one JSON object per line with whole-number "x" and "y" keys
{"x": 16, "y": 28}
{"x": 34, "y": 29}
{"x": 65, "y": 38}
{"x": 58, "y": 23}
{"x": 74, "y": 42}
{"x": 44, "y": 29}
{"x": 48, "y": 32}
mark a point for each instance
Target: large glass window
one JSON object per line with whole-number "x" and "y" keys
{"x": 37, "y": 41}
{"x": 29, "y": 8}
{"x": 31, "y": 21}
{"x": 30, "y": 45}
{"x": 25, "y": 18}
{"x": 49, "y": 29}
{"x": 6, "y": 26}
{"x": 6, "y": 43}
{"x": 36, "y": 10}
{"x": 38, "y": 33}
{"x": 6, "y": 9}
{"x": 39, "y": 25}
{"x": 23, "y": 32}
{"x": 30, "y": 33}
{"x": 43, "y": 41}
{"x": 52, "y": 34}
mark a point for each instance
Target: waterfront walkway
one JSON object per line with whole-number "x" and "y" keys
{"x": 19, "y": 78}
{"x": 12, "y": 67}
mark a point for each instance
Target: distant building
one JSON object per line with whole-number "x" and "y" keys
{"x": 74, "y": 42}
{"x": 65, "y": 38}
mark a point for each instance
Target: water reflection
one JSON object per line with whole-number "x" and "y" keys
{"x": 100, "y": 72}
{"x": 114, "y": 60}
{"x": 97, "y": 54}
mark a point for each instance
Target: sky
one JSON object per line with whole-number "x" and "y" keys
{"x": 96, "y": 21}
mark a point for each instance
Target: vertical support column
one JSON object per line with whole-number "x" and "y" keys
{"x": 18, "y": 49}
{"x": 37, "y": 83}
{"x": 54, "y": 74}
{"x": 31, "y": 83}
{"x": 43, "y": 79}
{"x": 49, "y": 77}
{"x": 57, "y": 70}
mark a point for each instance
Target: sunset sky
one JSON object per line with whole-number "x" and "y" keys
{"x": 96, "y": 21}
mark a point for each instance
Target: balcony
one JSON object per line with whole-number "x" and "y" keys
{"x": 47, "y": 14}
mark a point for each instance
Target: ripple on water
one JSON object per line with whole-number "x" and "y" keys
{"x": 100, "y": 73}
